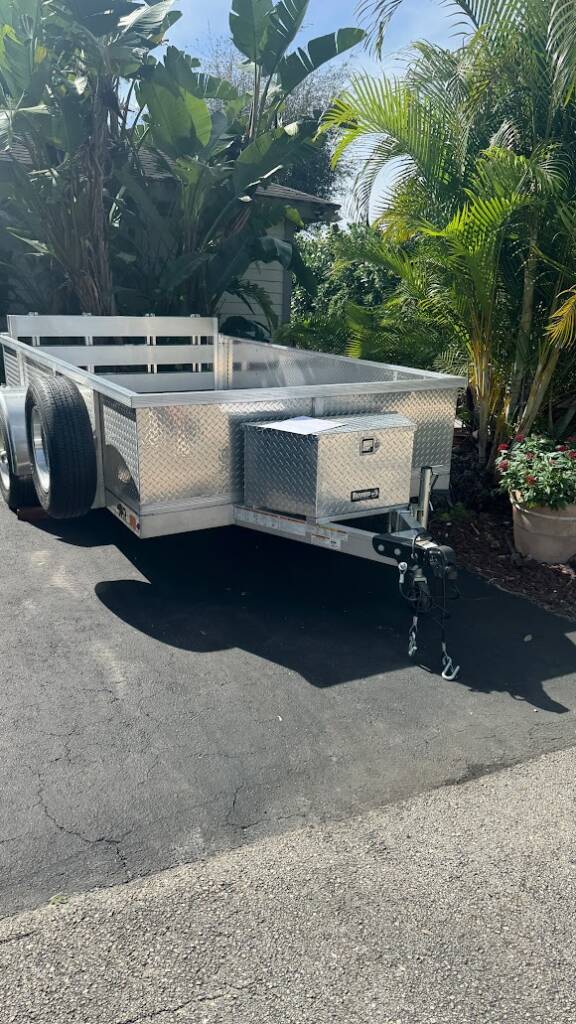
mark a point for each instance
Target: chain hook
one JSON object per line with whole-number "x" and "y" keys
{"x": 412, "y": 635}
{"x": 449, "y": 670}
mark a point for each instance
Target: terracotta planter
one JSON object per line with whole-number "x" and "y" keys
{"x": 545, "y": 534}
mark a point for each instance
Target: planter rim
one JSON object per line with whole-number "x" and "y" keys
{"x": 542, "y": 511}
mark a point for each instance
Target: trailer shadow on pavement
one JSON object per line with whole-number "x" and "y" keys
{"x": 165, "y": 700}
{"x": 331, "y": 619}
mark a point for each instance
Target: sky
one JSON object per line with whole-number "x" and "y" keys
{"x": 416, "y": 19}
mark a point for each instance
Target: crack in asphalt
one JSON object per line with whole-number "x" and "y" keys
{"x": 111, "y": 841}
{"x": 243, "y": 826}
{"x": 235, "y": 796}
{"x": 155, "y": 1013}
{"x": 16, "y": 938}
{"x": 209, "y": 997}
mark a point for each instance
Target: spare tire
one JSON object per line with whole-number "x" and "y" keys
{"x": 61, "y": 446}
{"x": 17, "y": 490}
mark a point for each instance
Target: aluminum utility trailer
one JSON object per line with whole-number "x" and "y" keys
{"x": 155, "y": 417}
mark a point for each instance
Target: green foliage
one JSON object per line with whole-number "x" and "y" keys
{"x": 249, "y": 20}
{"x": 364, "y": 284}
{"x": 320, "y": 320}
{"x": 263, "y": 31}
{"x": 352, "y": 310}
{"x": 341, "y": 279}
{"x": 136, "y": 183}
{"x": 316, "y": 175}
{"x": 540, "y": 473}
{"x": 497, "y": 20}
{"x": 294, "y": 68}
{"x": 478, "y": 222}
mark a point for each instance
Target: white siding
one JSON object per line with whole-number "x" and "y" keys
{"x": 271, "y": 277}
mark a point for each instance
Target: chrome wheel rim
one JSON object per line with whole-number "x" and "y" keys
{"x": 4, "y": 462}
{"x": 39, "y": 453}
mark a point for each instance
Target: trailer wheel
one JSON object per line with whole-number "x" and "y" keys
{"x": 17, "y": 491}
{"x": 61, "y": 447}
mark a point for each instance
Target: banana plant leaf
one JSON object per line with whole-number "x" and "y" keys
{"x": 283, "y": 25}
{"x": 180, "y": 71}
{"x": 293, "y": 69}
{"x": 148, "y": 20}
{"x": 271, "y": 151}
{"x": 269, "y": 249}
{"x": 180, "y": 124}
{"x": 100, "y": 17}
{"x": 249, "y": 20}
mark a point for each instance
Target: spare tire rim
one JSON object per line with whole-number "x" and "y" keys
{"x": 41, "y": 461}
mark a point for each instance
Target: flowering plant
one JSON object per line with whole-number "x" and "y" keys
{"x": 542, "y": 473}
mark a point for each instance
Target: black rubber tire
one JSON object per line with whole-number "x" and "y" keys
{"x": 68, "y": 444}
{"x": 18, "y": 492}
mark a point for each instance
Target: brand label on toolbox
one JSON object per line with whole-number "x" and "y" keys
{"x": 370, "y": 494}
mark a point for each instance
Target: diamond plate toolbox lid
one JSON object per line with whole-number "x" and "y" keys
{"x": 327, "y": 467}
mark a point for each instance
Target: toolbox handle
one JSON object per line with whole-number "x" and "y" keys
{"x": 369, "y": 445}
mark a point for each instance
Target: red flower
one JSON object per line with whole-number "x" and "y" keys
{"x": 561, "y": 447}
{"x": 531, "y": 480}
{"x": 520, "y": 437}
{"x": 503, "y": 466}
{"x": 502, "y": 447}
{"x": 572, "y": 455}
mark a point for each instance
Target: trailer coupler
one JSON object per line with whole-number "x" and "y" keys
{"x": 427, "y": 576}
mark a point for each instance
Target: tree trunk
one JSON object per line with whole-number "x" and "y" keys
{"x": 481, "y": 386}
{"x": 93, "y": 279}
{"x": 542, "y": 379}
{"x": 526, "y": 318}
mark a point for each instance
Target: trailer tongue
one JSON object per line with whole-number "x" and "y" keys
{"x": 427, "y": 573}
{"x": 174, "y": 427}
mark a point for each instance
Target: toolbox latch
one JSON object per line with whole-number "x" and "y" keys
{"x": 368, "y": 445}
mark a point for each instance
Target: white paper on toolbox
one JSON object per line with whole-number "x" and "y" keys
{"x": 303, "y": 425}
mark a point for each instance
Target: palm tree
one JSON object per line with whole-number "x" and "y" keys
{"x": 487, "y": 129}
{"x": 496, "y": 19}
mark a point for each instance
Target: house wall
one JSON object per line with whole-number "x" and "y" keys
{"x": 273, "y": 279}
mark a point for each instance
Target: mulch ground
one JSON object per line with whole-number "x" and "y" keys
{"x": 484, "y": 544}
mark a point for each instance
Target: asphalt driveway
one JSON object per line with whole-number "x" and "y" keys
{"x": 168, "y": 699}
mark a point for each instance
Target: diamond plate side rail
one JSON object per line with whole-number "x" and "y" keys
{"x": 195, "y": 452}
{"x": 120, "y": 451}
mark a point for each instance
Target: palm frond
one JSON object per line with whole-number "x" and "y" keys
{"x": 562, "y": 45}
{"x": 395, "y": 121}
{"x": 562, "y": 326}
{"x": 501, "y": 15}
{"x": 453, "y": 360}
{"x": 544, "y": 173}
